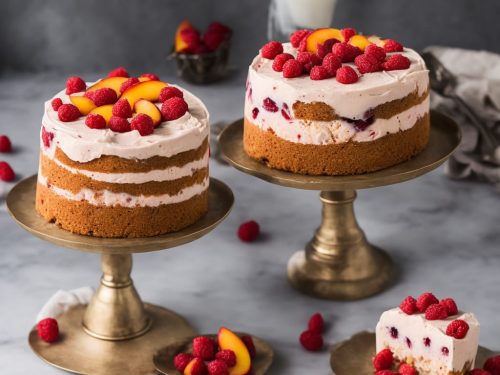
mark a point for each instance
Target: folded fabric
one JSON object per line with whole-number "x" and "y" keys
{"x": 62, "y": 300}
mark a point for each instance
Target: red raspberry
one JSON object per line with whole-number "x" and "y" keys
{"x": 181, "y": 360}
{"x": 298, "y": 36}
{"x": 436, "y": 312}
{"x": 227, "y": 356}
{"x": 48, "y": 330}
{"x": 255, "y": 113}
{"x": 56, "y": 103}
{"x": 249, "y": 231}
{"x": 170, "y": 92}
{"x": 409, "y": 305}
{"x": 47, "y": 137}
{"x": 406, "y": 369}
{"x": 220, "y": 28}
{"x": 75, "y": 84}
{"x": 5, "y": 145}
{"x": 150, "y": 76}
{"x": 102, "y": 96}
{"x": 6, "y": 172}
{"x": 271, "y": 50}
{"x": 478, "y": 371}
{"x": 119, "y": 72}
{"x": 122, "y": 109}
{"x": 192, "y": 38}
{"x": 303, "y": 45}
{"x": 217, "y": 367}
{"x": 119, "y": 124}
{"x": 68, "y": 113}
{"x": 129, "y": 83}
{"x": 383, "y": 360}
{"x": 323, "y": 49}
{"x": 450, "y": 305}
{"x": 367, "y": 64}
{"x": 270, "y": 105}
{"x": 425, "y": 300}
{"x": 386, "y": 372}
{"x": 316, "y": 323}
{"x": 95, "y": 121}
{"x": 390, "y": 45}
{"x": 346, "y": 75}
{"x": 213, "y": 39}
{"x": 346, "y": 52}
{"x": 308, "y": 60}
{"x": 348, "y": 33}
{"x": 173, "y": 108}
{"x": 331, "y": 63}
{"x": 198, "y": 367}
{"x": 311, "y": 341}
{"x": 396, "y": 62}
{"x": 458, "y": 329}
{"x": 493, "y": 365}
{"x": 377, "y": 52}
{"x": 203, "y": 348}
{"x": 280, "y": 60}
{"x": 319, "y": 73}
{"x": 143, "y": 124}
{"x": 248, "y": 341}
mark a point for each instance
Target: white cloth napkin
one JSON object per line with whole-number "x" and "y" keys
{"x": 478, "y": 74}
{"x": 62, "y": 300}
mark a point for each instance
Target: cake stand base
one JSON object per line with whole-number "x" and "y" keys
{"x": 80, "y": 353}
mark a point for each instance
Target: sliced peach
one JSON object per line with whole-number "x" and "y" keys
{"x": 229, "y": 340}
{"x": 148, "y": 108}
{"x": 320, "y": 36}
{"x": 188, "y": 370}
{"x": 105, "y": 111}
{"x": 180, "y": 44}
{"x": 111, "y": 82}
{"x": 143, "y": 79}
{"x": 376, "y": 40}
{"x": 359, "y": 41}
{"x": 84, "y": 104}
{"x": 149, "y": 90}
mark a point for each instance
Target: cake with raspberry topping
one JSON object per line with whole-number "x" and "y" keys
{"x": 335, "y": 102}
{"x": 123, "y": 157}
{"x": 433, "y": 336}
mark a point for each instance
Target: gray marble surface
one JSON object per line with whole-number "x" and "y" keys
{"x": 444, "y": 236}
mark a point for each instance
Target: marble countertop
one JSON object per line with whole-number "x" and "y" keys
{"x": 443, "y": 235}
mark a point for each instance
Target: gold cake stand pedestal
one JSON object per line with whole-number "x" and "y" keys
{"x": 116, "y": 333}
{"x": 339, "y": 263}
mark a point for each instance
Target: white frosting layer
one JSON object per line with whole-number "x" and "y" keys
{"x": 82, "y": 144}
{"x": 429, "y": 360}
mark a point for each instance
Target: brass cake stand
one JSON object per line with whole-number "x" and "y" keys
{"x": 116, "y": 333}
{"x": 339, "y": 263}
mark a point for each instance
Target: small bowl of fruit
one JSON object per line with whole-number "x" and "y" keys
{"x": 202, "y": 58}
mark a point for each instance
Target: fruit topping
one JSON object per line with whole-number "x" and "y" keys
{"x": 226, "y": 355}
{"x": 320, "y": 36}
{"x": 119, "y": 72}
{"x": 149, "y": 90}
{"x": 119, "y": 124}
{"x": 68, "y": 112}
{"x": 84, "y": 104}
{"x": 376, "y": 52}
{"x": 6, "y": 172}
{"x": 48, "y": 330}
{"x": 326, "y": 47}
{"x": 331, "y": 63}
{"x": 56, "y": 103}
{"x": 143, "y": 124}
{"x": 128, "y": 83}
{"x": 170, "y": 92}
{"x": 297, "y": 36}
{"x": 457, "y": 329}
{"x": 316, "y": 323}
{"x": 75, "y": 84}
{"x": 122, "y": 109}
{"x": 173, "y": 108}
{"x": 348, "y": 33}
{"x": 425, "y": 300}
{"x": 409, "y": 305}
{"x": 181, "y": 360}
{"x": 271, "y": 50}
{"x": 270, "y": 105}
{"x": 319, "y": 73}
{"x": 359, "y": 41}
{"x": 383, "y": 360}
{"x": 111, "y": 82}
{"x": 450, "y": 305}
{"x": 148, "y": 108}
{"x": 346, "y": 75}
{"x": 249, "y": 230}
{"x": 311, "y": 341}
{"x": 308, "y": 60}
{"x": 280, "y": 60}
{"x": 396, "y": 62}
{"x": 367, "y": 64}
{"x": 406, "y": 369}
{"x": 95, "y": 121}
{"x": 105, "y": 111}
{"x": 102, "y": 96}
{"x": 346, "y": 52}
{"x": 148, "y": 77}
{"x": 436, "y": 311}
{"x": 217, "y": 367}
{"x": 390, "y": 45}
{"x": 5, "y": 145}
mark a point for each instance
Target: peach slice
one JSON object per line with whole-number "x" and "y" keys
{"x": 149, "y": 90}
{"x": 229, "y": 340}
{"x": 359, "y": 41}
{"x": 188, "y": 370}
{"x": 111, "y": 82}
{"x": 84, "y": 104}
{"x": 148, "y": 108}
{"x": 105, "y": 111}
{"x": 320, "y": 36}
{"x": 143, "y": 79}
{"x": 375, "y": 39}
{"x": 180, "y": 44}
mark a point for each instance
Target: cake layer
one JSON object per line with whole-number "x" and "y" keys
{"x": 336, "y": 159}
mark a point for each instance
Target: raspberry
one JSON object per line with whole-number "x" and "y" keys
{"x": 203, "y": 348}
{"x": 406, "y": 369}
{"x": 122, "y": 109}
{"x": 255, "y": 113}
{"x": 119, "y": 72}
{"x": 5, "y": 145}
{"x": 6, "y": 172}
{"x": 48, "y": 330}
{"x": 331, "y": 63}
{"x": 270, "y": 105}
{"x": 119, "y": 124}
{"x": 409, "y": 305}
{"x": 47, "y": 137}
{"x": 95, "y": 121}
{"x": 143, "y": 124}
{"x": 68, "y": 112}
{"x": 102, "y": 96}
{"x": 394, "y": 332}
{"x": 427, "y": 341}
{"x": 311, "y": 341}
{"x": 316, "y": 323}
{"x": 396, "y": 62}
{"x": 367, "y": 64}
{"x": 308, "y": 60}
{"x": 128, "y": 83}
{"x": 493, "y": 365}
{"x": 198, "y": 367}
{"x": 173, "y": 108}
{"x": 213, "y": 39}
{"x": 377, "y": 52}
{"x": 348, "y": 33}
{"x": 150, "y": 76}
{"x": 445, "y": 350}
{"x": 227, "y": 356}
{"x": 436, "y": 312}
{"x": 458, "y": 329}
{"x": 192, "y": 38}
{"x": 425, "y": 300}
{"x": 346, "y": 75}
{"x": 75, "y": 84}
{"x": 323, "y": 49}
{"x": 450, "y": 305}
{"x": 292, "y": 68}
{"x": 303, "y": 45}
{"x": 386, "y": 372}
{"x": 319, "y": 73}
{"x": 170, "y": 92}
{"x": 285, "y": 112}
{"x": 390, "y": 45}
{"x": 478, "y": 371}
{"x": 220, "y": 28}
{"x": 217, "y": 367}
{"x": 383, "y": 360}
{"x": 248, "y": 341}
{"x": 271, "y": 50}
{"x": 298, "y": 36}
{"x": 249, "y": 231}
{"x": 280, "y": 60}
{"x": 181, "y": 360}
{"x": 346, "y": 52}
{"x": 56, "y": 103}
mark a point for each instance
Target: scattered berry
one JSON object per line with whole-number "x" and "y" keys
{"x": 217, "y": 367}
{"x": 150, "y": 76}
{"x": 56, "y": 103}
{"x": 119, "y": 72}
{"x": 227, "y": 356}
{"x": 450, "y": 305}
{"x": 425, "y": 300}
{"x": 311, "y": 341}
{"x": 298, "y": 36}
{"x": 95, "y": 121}
{"x": 129, "y": 83}
{"x": 271, "y": 50}
{"x": 122, "y": 109}
{"x": 119, "y": 124}
{"x": 375, "y": 51}
{"x": 5, "y": 145}
{"x": 280, "y": 60}
{"x": 436, "y": 312}
{"x": 479, "y": 371}
{"x": 396, "y": 62}
{"x": 198, "y": 367}
{"x": 348, "y": 33}
{"x": 316, "y": 323}
{"x": 331, "y": 63}
{"x": 406, "y": 369}
{"x": 68, "y": 112}
{"x": 285, "y": 112}
{"x": 458, "y": 329}
{"x": 292, "y": 68}
{"x": 445, "y": 350}
{"x": 249, "y": 231}
{"x": 346, "y": 75}
{"x": 48, "y": 330}
{"x": 409, "y": 305}
{"x": 181, "y": 360}
{"x": 427, "y": 342}
{"x": 6, "y": 172}
{"x": 367, "y": 64}
{"x": 173, "y": 108}
{"x": 213, "y": 39}
{"x": 143, "y": 124}
{"x": 383, "y": 360}
{"x": 170, "y": 92}
{"x": 386, "y": 372}
{"x": 75, "y": 84}
{"x": 390, "y": 45}
{"x": 270, "y": 105}
{"x": 102, "y": 96}
{"x": 255, "y": 113}
{"x": 319, "y": 73}
{"x": 493, "y": 365}
{"x": 220, "y": 28}
{"x": 308, "y": 60}
{"x": 47, "y": 137}
{"x": 203, "y": 348}
{"x": 248, "y": 341}
{"x": 323, "y": 49}
{"x": 346, "y": 52}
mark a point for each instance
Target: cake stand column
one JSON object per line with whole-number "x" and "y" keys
{"x": 338, "y": 262}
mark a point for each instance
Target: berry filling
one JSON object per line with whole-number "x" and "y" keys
{"x": 270, "y": 105}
